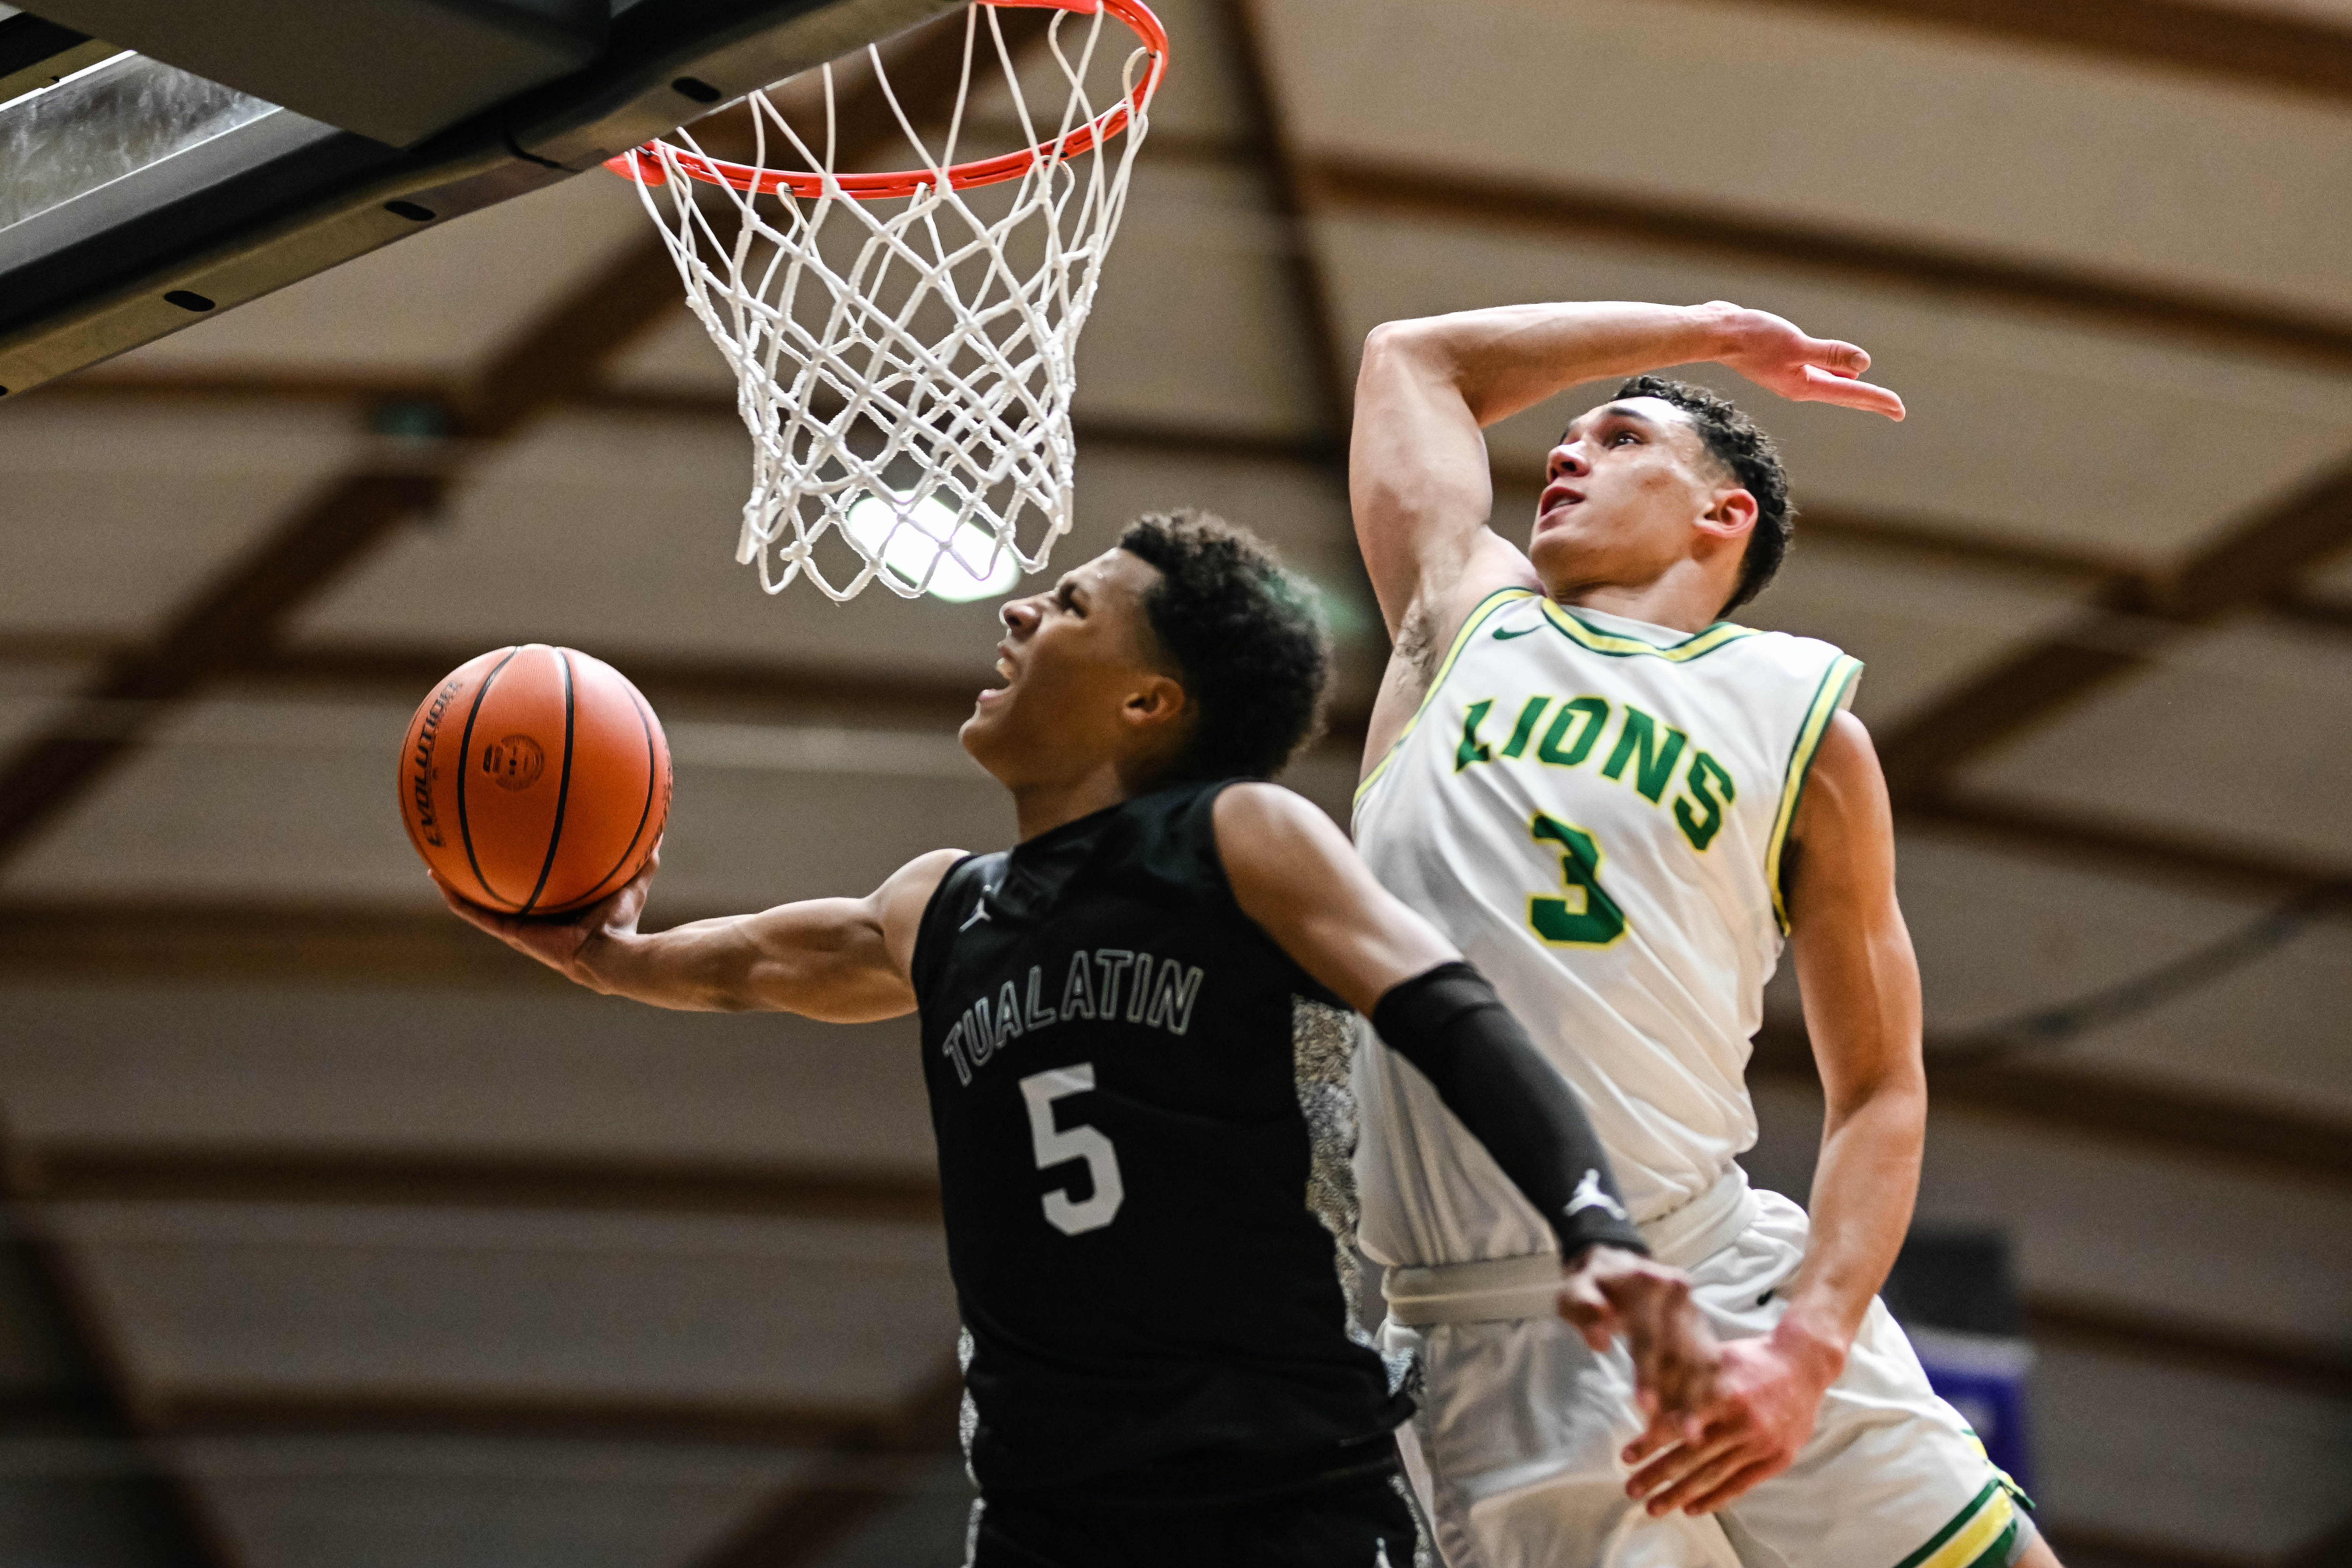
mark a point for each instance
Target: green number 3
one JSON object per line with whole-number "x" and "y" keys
{"x": 1588, "y": 917}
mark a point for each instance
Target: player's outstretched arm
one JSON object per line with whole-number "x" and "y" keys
{"x": 1300, "y": 879}
{"x": 1417, "y": 464}
{"x": 844, "y": 961}
{"x": 1861, "y": 986}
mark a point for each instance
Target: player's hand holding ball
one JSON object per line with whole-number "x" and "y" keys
{"x": 535, "y": 782}
{"x": 563, "y": 943}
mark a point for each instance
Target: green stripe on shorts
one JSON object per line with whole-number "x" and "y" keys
{"x": 1979, "y": 1535}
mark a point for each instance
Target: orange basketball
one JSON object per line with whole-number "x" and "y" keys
{"x": 534, "y": 780}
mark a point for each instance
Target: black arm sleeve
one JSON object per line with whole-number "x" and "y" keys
{"x": 1450, "y": 1023}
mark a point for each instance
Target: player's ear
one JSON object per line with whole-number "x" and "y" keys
{"x": 1156, "y": 700}
{"x": 1732, "y": 515}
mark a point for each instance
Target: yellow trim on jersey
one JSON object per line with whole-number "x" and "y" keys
{"x": 1478, "y": 617}
{"x": 1616, "y": 645}
{"x": 1828, "y": 698}
{"x": 1970, "y": 1539}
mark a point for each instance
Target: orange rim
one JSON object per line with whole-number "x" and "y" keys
{"x": 644, "y": 165}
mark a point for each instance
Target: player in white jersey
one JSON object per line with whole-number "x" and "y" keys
{"x": 1619, "y": 806}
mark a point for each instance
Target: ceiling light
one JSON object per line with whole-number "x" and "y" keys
{"x": 906, "y": 535}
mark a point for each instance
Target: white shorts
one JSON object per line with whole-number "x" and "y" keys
{"x": 1514, "y": 1450}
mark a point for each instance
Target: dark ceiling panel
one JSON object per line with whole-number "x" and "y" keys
{"x": 394, "y": 70}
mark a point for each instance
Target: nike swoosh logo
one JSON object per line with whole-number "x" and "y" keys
{"x": 1505, "y": 634}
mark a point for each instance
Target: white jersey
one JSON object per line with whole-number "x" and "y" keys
{"x": 1594, "y": 810}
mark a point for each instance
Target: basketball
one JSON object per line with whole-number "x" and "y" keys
{"x": 534, "y": 780}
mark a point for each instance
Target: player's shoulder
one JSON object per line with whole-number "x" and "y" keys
{"x": 1258, "y": 819}
{"x": 1790, "y": 648}
{"x": 908, "y": 898}
{"x": 906, "y": 908}
{"x": 920, "y": 879}
{"x": 1819, "y": 675}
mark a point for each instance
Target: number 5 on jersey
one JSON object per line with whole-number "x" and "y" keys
{"x": 1586, "y": 917}
{"x": 1056, "y": 1145}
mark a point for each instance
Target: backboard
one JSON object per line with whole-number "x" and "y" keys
{"x": 168, "y": 162}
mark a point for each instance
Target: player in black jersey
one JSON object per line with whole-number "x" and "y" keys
{"x": 1136, "y": 1034}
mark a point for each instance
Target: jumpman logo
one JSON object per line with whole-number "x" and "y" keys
{"x": 1589, "y": 1195}
{"x": 979, "y": 914}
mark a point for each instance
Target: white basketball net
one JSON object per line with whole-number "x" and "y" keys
{"x": 905, "y": 363}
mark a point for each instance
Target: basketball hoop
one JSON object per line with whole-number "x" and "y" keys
{"x": 904, "y": 352}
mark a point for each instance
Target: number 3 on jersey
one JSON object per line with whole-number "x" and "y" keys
{"x": 1586, "y": 917}
{"x": 1056, "y": 1145}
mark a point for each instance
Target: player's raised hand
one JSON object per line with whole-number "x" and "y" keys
{"x": 1770, "y": 352}
{"x": 1766, "y": 1396}
{"x": 560, "y": 942}
{"x": 1611, "y": 1292}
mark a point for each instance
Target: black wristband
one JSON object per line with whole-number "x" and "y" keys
{"x": 1450, "y": 1023}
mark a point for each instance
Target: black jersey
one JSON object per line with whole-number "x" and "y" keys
{"x": 1144, "y": 1130}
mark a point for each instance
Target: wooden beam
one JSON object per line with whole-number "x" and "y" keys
{"x": 2316, "y": 611}
{"x": 2119, "y": 1328}
{"x": 106, "y": 386}
{"x": 815, "y": 1512}
{"x": 362, "y": 395}
{"x": 2021, "y": 690}
{"x": 2244, "y": 871}
{"x": 97, "y": 1173}
{"x": 2079, "y": 1099}
{"x": 239, "y": 613}
{"x": 2137, "y": 621}
{"x": 161, "y": 1504}
{"x": 1266, "y": 128}
{"x": 1942, "y": 539}
{"x": 781, "y": 692}
{"x": 221, "y": 1411}
{"x": 226, "y": 942}
{"x": 2301, "y": 1145}
{"x": 742, "y": 687}
{"x": 2258, "y": 45}
{"x": 1089, "y": 429}
{"x": 1978, "y": 276}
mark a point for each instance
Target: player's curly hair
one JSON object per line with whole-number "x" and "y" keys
{"x": 1247, "y": 637}
{"x": 1753, "y": 460}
